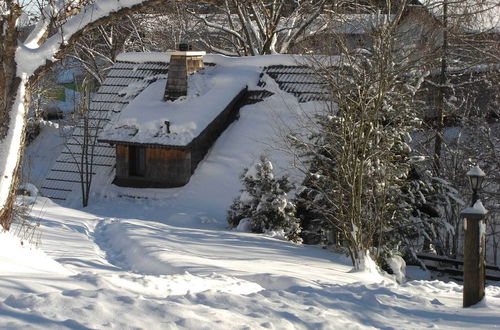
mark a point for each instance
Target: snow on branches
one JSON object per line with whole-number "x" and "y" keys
{"x": 263, "y": 204}
{"x": 260, "y": 27}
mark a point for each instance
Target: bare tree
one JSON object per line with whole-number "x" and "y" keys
{"x": 150, "y": 29}
{"x": 465, "y": 74}
{"x": 239, "y": 27}
{"x": 81, "y": 142}
{"x": 466, "y": 42}
{"x": 164, "y": 27}
{"x": 59, "y": 25}
{"x": 97, "y": 50}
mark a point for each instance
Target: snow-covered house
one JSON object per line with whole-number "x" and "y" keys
{"x": 162, "y": 135}
{"x": 152, "y": 138}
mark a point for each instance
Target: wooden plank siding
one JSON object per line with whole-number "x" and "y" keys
{"x": 165, "y": 168}
{"x": 121, "y": 161}
{"x": 169, "y": 167}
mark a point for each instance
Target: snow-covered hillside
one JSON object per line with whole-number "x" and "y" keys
{"x": 132, "y": 264}
{"x": 170, "y": 262}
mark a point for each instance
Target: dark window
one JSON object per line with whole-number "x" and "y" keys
{"x": 137, "y": 161}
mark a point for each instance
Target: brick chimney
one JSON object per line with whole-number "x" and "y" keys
{"x": 182, "y": 63}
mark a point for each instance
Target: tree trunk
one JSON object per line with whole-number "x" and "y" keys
{"x": 443, "y": 81}
{"x": 8, "y": 79}
{"x": 9, "y": 114}
{"x": 9, "y": 90}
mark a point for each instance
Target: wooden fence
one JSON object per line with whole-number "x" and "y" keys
{"x": 454, "y": 267}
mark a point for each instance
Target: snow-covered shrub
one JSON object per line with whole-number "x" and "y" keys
{"x": 263, "y": 202}
{"x": 311, "y": 219}
{"x": 398, "y": 267}
{"x": 23, "y": 225}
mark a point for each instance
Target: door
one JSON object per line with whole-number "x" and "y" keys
{"x": 137, "y": 161}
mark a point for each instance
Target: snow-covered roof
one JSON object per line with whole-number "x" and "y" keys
{"x": 148, "y": 119}
{"x": 210, "y": 91}
{"x": 472, "y": 15}
{"x": 300, "y": 81}
{"x": 259, "y": 61}
{"x": 476, "y": 171}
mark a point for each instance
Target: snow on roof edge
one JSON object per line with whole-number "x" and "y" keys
{"x": 260, "y": 60}
{"x": 143, "y": 57}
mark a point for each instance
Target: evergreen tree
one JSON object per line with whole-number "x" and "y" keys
{"x": 426, "y": 201}
{"x": 264, "y": 203}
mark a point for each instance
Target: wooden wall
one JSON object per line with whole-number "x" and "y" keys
{"x": 171, "y": 167}
{"x": 165, "y": 168}
{"x": 121, "y": 161}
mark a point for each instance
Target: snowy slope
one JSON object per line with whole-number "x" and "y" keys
{"x": 169, "y": 262}
{"x": 37, "y": 164}
{"x": 184, "y": 270}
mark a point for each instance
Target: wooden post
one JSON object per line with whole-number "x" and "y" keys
{"x": 474, "y": 250}
{"x": 474, "y": 245}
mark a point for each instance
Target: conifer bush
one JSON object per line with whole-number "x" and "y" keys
{"x": 263, "y": 202}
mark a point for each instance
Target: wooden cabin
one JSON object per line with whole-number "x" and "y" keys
{"x": 135, "y": 88}
{"x": 164, "y": 133}
{"x": 151, "y": 165}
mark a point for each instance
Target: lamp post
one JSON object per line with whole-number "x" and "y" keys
{"x": 476, "y": 177}
{"x": 474, "y": 244}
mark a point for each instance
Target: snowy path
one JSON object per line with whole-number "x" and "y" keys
{"x": 188, "y": 271}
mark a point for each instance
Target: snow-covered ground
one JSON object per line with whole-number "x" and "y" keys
{"x": 132, "y": 264}
{"x": 166, "y": 260}
{"x": 42, "y": 153}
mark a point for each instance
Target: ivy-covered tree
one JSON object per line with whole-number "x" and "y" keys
{"x": 263, "y": 202}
